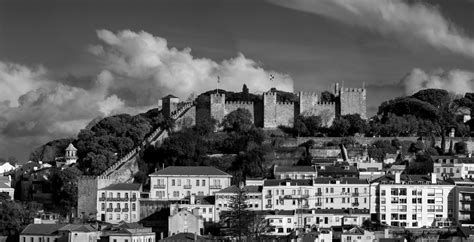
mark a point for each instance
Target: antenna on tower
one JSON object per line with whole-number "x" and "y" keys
{"x": 218, "y": 81}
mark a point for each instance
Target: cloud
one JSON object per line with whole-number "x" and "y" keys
{"x": 145, "y": 68}
{"x": 408, "y": 22}
{"x": 455, "y": 81}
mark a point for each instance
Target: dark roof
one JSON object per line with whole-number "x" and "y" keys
{"x": 191, "y": 171}
{"x": 345, "y": 180}
{"x": 41, "y": 229}
{"x": 466, "y": 231}
{"x": 295, "y": 169}
{"x": 204, "y": 200}
{"x": 337, "y": 171}
{"x": 247, "y": 189}
{"x": 131, "y": 225}
{"x": 347, "y": 212}
{"x": 184, "y": 237}
{"x": 409, "y": 179}
{"x": 78, "y": 228}
{"x": 169, "y": 96}
{"x": 282, "y": 182}
{"x": 123, "y": 187}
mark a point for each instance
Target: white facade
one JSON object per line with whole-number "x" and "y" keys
{"x": 253, "y": 200}
{"x": 6, "y": 167}
{"x": 200, "y": 206}
{"x": 413, "y": 201}
{"x": 118, "y": 203}
{"x": 176, "y": 183}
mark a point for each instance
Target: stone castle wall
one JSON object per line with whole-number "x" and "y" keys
{"x": 217, "y": 104}
{"x": 269, "y": 110}
{"x": 285, "y": 114}
{"x": 234, "y": 105}
{"x": 353, "y": 101}
{"x": 325, "y": 110}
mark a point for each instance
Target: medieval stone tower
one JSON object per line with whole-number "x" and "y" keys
{"x": 169, "y": 105}
{"x": 217, "y": 103}
{"x": 351, "y": 101}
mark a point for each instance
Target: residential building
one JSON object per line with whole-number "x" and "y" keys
{"x": 5, "y": 186}
{"x": 357, "y": 234}
{"x": 295, "y": 172}
{"x": 204, "y": 206}
{"x": 127, "y": 232}
{"x": 119, "y": 202}
{"x": 463, "y": 201}
{"x": 178, "y": 182}
{"x": 453, "y": 166}
{"x": 413, "y": 201}
{"x": 342, "y": 169}
{"x": 287, "y": 194}
{"x": 41, "y": 233}
{"x": 340, "y": 193}
{"x": 253, "y": 198}
{"x": 78, "y": 233}
{"x": 6, "y": 167}
{"x": 183, "y": 221}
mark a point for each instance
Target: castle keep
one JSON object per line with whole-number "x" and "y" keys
{"x": 275, "y": 113}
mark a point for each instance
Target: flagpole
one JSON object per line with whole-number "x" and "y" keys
{"x": 218, "y": 80}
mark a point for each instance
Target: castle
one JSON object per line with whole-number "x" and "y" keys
{"x": 271, "y": 113}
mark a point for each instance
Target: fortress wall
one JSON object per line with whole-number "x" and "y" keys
{"x": 232, "y": 106}
{"x": 87, "y": 196}
{"x": 353, "y": 101}
{"x": 307, "y": 101}
{"x": 187, "y": 120}
{"x": 217, "y": 103}
{"x": 269, "y": 110}
{"x": 327, "y": 112}
{"x": 285, "y": 114}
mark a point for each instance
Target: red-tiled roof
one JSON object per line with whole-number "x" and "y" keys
{"x": 190, "y": 171}
{"x": 295, "y": 169}
{"x": 41, "y": 229}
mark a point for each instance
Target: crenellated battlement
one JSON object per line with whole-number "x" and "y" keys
{"x": 270, "y": 93}
{"x": 325, "y": 104}
{"x": 354, "y": 89}
{"x": 238, "y": 102}
{"x": 285, "y": 103}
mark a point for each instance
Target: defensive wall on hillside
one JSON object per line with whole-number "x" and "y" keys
{"x": 125, "y": 168}
{"x": 275, "y": 113}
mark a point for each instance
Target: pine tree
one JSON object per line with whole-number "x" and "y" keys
{"x": 238, "y": 217}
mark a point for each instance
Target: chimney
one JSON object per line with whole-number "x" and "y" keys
{"x": 192, "y": 199}
{"x": 433, "y": 178}
{"x": 397, "y": 177}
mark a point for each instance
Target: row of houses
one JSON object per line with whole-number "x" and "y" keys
{"x": 298, "y": 199}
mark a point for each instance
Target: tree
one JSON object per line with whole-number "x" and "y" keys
{"x": 327, "y": 97}
{"x": 64, "y": 187}
{"x": 238, "y": 217}
{"x": 340, "y": 127}
{"x": 239, "y": 120}
{"x": 460, "y": 148}
{"x": 435, "y": 97}
{"x": 422, "y": 165}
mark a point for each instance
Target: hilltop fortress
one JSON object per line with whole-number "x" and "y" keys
{"x": 268, "y": 112}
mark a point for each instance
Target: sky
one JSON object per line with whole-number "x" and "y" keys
{"x": 64, "y": 63}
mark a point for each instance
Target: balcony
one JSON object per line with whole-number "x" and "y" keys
{"x": 318, "y": 194}
{"x": 355, "y": 194}
{"x": 101, "y": 198}
{"x": 305, "y": 206}
{"x": 159, "y": 186}
{"x": 268, "y": 196}
{"x": 187, "y": 186}
{"x": 109, "y": 210}
{"x": 133, "y": 199}
{"x": 124, "y": 209}
{"x": 117, "y": 210}
{"x": 318, "y": 204}
{"x": 215, "y": 187}
{"x": 268, "y": 206}
{"x": 356, "y": 204}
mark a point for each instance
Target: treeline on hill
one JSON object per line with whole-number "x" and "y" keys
{"x": 241, "y": 145}
{"x": 429, "y": 112}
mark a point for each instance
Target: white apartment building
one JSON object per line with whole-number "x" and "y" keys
{"x": 341, "y": 193}
{"x": 295, "y": 172}
{"x": 203, "y": 206}
{"x": 119, "y": 202}
{"x": 253, "y": 200}
{"x": 288, "y": 194}
{"x": 178, "y": 182}
{"x": 284, "y": 222}
{"x": 413, "y": 201}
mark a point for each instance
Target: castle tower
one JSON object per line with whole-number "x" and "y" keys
{"x": 353, "y": 101}
{"x": 307, "y": 100}
{"x": 71, "y": 154}
{"x": 217, "y": 106}
{"x": 169, "y": 105}
{"x": 269, "y": 110}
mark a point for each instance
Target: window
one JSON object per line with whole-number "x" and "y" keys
{"x": 102, "y": 206}
{"x": 118, "y": 205}
{"x": 118, "y": 194}
{"x": 103, "y": 194}
{"x": 110, "y": 216}
{"x": 413, "y": 217}
{"x": 110, "y": 205}
{"x": 343, "y": 200}
{"x": 332, "y": 190}
{"x": 332, "y": 200}
{"x": 197, "y": 183}
{"x": 203, "y": 182}
{"x": 126, "y": 217}
{"x": 126, "y": 195}
{"x": 134, "y": 207}
{"x": 179, "y": 182}
{"x": 173, "y": 182}
{"x": 210, "y": 210}
{"x": 289, "y": 220}
{"x": 118, "y": 216}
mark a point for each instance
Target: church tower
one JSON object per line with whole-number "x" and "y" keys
{"x": 71, "y": 156}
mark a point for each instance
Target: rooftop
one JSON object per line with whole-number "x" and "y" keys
{"x": 78, "y": 228}
{"x": 410, "y": 179}
{"x": 190, "y": 171}
{"x": 295, "y": 169}
{"x": 41, "y": 229}
{"x": 345, "y": 180}
{"x": 123, "y": 187}
{"x": 282, "y": 182}
{"x": 247, "y": 189}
